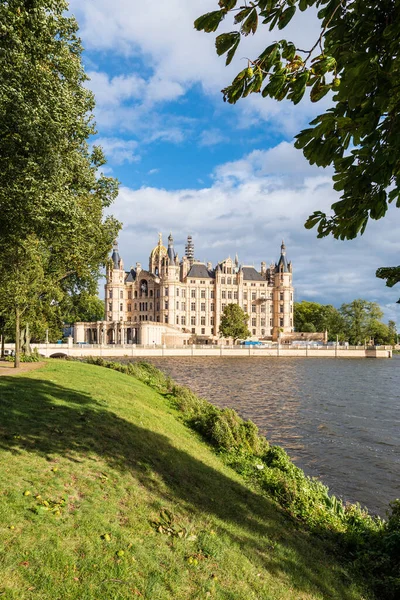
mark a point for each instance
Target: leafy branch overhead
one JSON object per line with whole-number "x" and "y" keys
{"x": 356, "y": 58}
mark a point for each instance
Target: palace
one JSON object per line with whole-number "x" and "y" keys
{"x": 176, "y": 302}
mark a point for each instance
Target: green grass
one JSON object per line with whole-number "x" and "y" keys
{"x": 119, "y": 471}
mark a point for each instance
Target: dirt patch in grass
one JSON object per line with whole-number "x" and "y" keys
{"x": 7, "y": 368}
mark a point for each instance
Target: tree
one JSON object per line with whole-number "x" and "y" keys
{"x": 356, "y": 57}
{"x": 312, "y": 316}
{"x": 52, "y": 196}
{"x": 234, "y": 323}
{"x": 84, "y": 306}
{"x": 361, "y": 320}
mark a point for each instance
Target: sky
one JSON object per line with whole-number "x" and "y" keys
{"x": 191, "y": 164}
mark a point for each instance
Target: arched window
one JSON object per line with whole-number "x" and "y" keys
{"x": 135, "y": 294}
{"x": 151, "y": 293}
{"x": 143, "y": 288}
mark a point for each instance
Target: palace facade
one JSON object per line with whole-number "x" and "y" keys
{"x": 183, "y": 300}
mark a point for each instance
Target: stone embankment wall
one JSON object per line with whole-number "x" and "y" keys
{"x": 127, "y": 351}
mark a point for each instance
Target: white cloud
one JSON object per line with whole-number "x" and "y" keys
{"x": 212, "y": 137}
{"x": 118, "y": 151}
{"x": 175, "y": 56}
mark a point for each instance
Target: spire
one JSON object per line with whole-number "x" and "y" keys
{"x": 189, "y": 250}
{"x": 171, "y": 251}
{"x": 115, "y": 255}
{"x": 236, "y": 260}
{"x": 282, "y": 264}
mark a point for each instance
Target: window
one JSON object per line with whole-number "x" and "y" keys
{"x": 203, "y": 331}
{"x": 193, "y": 330}
{"x": 212, "y": 307}
{"x": 183, "y": 293}
{"x": 166, "y": 319}
{"x": 193, "y": 320}
{"x": 203, "y": 307}
{"x": 129, "y": 307}
{"x": 110, "y": 293}
{"x": 166, "y": 305}
{"x": 281, "y": 296}
{"x": 235, "y": 295}
{"x": 254, "y": 332}
{"x": 166, "y": 291}
{"x": 253, "y": 285}
{"x": 135, "y": 306}
{"x": 177, "y": 291}
{"x": 121, "y": 294}
{"x": 203, "y": 321}
{"x": 193, "y": 306}
{"x": 193, "y": 293}
{"x": 280, "y": 322}
{"x": 158, "y": 318}
{"x": 270, "y": 322}
{"x": 262, "y": 322}
{"x": 223, "y": 294}
{"x": 135, "y": 293}
{"x": 212, "y": 294}
{"x": 202, "y": 293}
{"x": 202, "y": 282}
{"x": 121, "y": 307}
{"x": 110, "y": 306}
{"x": 158, "y": 306}
{"x": 229, "y": 280}
{"x": 245, "y": 296}
{"x": 192, "y": 281}
{"x": 130, "y": 295}
{"x": 177, "y": 320}
{"x": 223, "y": 307}
{"x": 158, "y": 293}
{"x": 183, "y": 320}
{"x": 183, "y": 306}
{"x": 253, "y": 322}
{"x": 262, "y": 331}
{"x": 151, "y": 293}
{"x": 245, "y": 307}
{"x": 253, "y": 308}
{"x": 262, "y": 307}
{"x": 212, "y": 321}
{"x": 253, "y": 296}
{"x": 281, "y": 308}
{"x": 229, "y": 295}
{"x": 177, "y": 305}
{"x": 223, "y": 281}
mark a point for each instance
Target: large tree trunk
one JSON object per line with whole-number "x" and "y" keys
{"x": 17, "y": 339}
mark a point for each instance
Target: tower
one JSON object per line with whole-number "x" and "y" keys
{"x": 189, "y": 250}
{"x": 115, "y": 287}
{"x": 282, "y": 296}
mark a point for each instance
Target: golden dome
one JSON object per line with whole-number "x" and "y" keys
{"x": 159, "y": 251}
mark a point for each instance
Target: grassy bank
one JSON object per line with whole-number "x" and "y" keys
{"x": 106, "y": 494}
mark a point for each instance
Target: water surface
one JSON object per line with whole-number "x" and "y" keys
{"x": 338, "y": 419}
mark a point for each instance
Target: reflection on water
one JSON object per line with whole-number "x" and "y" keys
{"x": 338, "y": 419}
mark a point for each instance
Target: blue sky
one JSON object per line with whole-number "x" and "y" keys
{"x": 227, "y": 175}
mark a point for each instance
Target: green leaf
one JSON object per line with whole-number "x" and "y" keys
{"x": 250, "y": 24}
{"x": 227, "y": 41}
{"x": 286, "y": 17}
{"x": 210, "y": 21}
{"x": 227, "y": 4}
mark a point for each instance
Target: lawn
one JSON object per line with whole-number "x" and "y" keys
{"x": 106, "y": 495}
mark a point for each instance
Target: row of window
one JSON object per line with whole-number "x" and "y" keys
{"x": 224, "y": 294}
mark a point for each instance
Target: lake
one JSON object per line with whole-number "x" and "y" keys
{"x": 338, "y": 419}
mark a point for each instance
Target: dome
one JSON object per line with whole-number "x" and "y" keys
{"x": 159, "y": 251}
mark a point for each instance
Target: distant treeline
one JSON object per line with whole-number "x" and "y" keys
{"x": 355, "y": 322}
